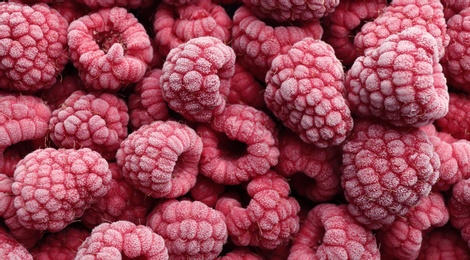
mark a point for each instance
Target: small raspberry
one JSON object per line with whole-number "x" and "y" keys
{"x": 245, "y": 89}
{"x": 457, "y": 121}
{"x": 401, "y": 81}
{"x": 330, "y": 232}
{"x": 11, "y": 249}
{"x": 122, "y": 240}
{"x": 190, "y": 229}
{"x": 385, "y": 171}
{"x": 61, "y": 90}
{"x": 110, "y": 49}
{"x": 196, "y": 78}
{"x": 205, "y": 190}
{"x": 33, "y": 42}
{"x": 161, "y": 159}
{"x": 305, "y": 91}
{"x": 443, "y": 244}
{"x": 53, "y": 187}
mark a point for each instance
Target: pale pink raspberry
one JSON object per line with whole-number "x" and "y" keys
{"x": 442, "y": 244}
{"x": 305, "y": 91}
{"x": 245, "y": 89}
{"x": 190, "y": 229}
{"x": 161, "y": 159}
{"x": 401, "y": 81}
{"x": 33, "y": 42}
{"x": 55, "y": 96}
{"x": 122, "y": 240}
{"x": 205, "y": 190}
{"x": 12, "y": 249}
{"x": 53, "y": 187}
{"x": 110, "y": 49}
{"x": 457, "y": 121}
{"x": 386, "y": 170}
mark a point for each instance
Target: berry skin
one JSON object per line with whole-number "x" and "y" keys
{"x": 457, "y": 121}
{"x": 459, "y": 209}
{"x": 11, "y": 249}
{"x": 245, "y": 89}
{"x": 443, "y": 243}
{"x": 206, "y": 191}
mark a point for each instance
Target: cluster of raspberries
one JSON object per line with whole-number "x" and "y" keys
{"x": 235, "y": 129}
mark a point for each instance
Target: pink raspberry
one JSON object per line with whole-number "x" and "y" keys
{"x": 239, "y": 145}
{"x": 245, "y": 89}
{"x": 257, "y": 43}
{"x": 453, "y": 7}
{"x": 70, "y": 10}
{"x": 196, "y": 78}
{"x": 457, "y": 121}
{"x": 330, "y": 232}
{"x": 129, "y": 4}
{"x": 161, "y": 159}
{"x": 385, "y": 171}
{"x": 11, "y": 249}
{"x": 5, "y": 193}
{"x": 110, "y": 48}
{"x": 93, "y": 120}
{"x": 179, "y": 2}
{"x": 443, "y": 244}
{"x": 459, "y": 208}
{"x": 33, "y": 46}
{"x": 53, "y": 188}
{"x": 190, "y": 229}
{"x": 205, "y": 190}
{"x": 241, "y": 253}
{"x": 122, "y": 240}
{"x": 55, "y": 96}
{"x": 177, "y": 24}
{"x": 401, "y": 81}
{"x": 305, "y": 91}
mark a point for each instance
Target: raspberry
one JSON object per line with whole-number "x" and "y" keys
{"x": 244, "y": 89}
{"x": 5, "y": 193}
{"x": 400, "y": 82}
{"x": 122, "y": 240}
{"x": 456, "y": 122}
{"x": 241, "y": 253}
{"x": 61, "y": 90}
{"x": 70, "y": 10}
{"x": 459, "y": 209}
{"x": 190, "y": 229}
{"x": 304, "y": 90}
{"x": 110, "y": 49}
{"x": 130, "y": 4}
{"x": 33, "y": 46}
{"x": 443, "y": 243}
{"x": 239, "y": 144}
{"x": 11, "y": 249}
{"x": 453, "y": 7}
{"x": 205, "y": 191}
{"x": 330, "y": 232}
{"x": 196, "y": 78}
{"x": 385, "y": 171}
{"x": 53, "y": 187}
{"x": 161, "y": 159}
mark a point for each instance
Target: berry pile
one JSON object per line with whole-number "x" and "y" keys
{"x": 234, "y": 129}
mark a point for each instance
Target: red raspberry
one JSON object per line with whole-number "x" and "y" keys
{"x": 5, "y": 193}
{"x": 161, "y": 159}
{"x": 241, "y": 253}
{"x": 453, "y": 7}
{"x": 33, "y": 46}
{"x": 190, "y": 229}
{"x": 443, "y": 244}
{"x": 179, "y": 2}
{"x": 239, "y": 144}
{"x": 459, "y": 208}
{"x": 110, "y": 48}
{"x": 245, "y": 89}
{"x": 401, "y": 81}
{"x": 55, "y": 96}
{"x": 206, "y": 191}
{"x": 70, "y": 10}
{"x": 304, "y": 90}
{"x": 11, "y": 249}
{"x": 385, "y": 171}
{"x": 122, "y": 240}
{"x": 129, "y": 4}
{"x": 330, "y": 232}
{"x": 457, "y": 121}
{"x": 53, "y": 187}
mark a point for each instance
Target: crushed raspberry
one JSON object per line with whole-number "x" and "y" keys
{"x": 457, "y": 121}
{"x": 401, "y": 81}
{"x": 190, "y": 229}
{"x": 110, "y": 49}
{"x": 245, "y": 89}
{"x": 161, "y": 159}
{"x": 205, "y": 190}
{"x": 11, "y": 249}
{"x": 385, "y": 171}
{"x": 443, "y": 243}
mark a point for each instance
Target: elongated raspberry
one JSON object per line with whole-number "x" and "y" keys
{"x": 33, "y": 46}
{"x": 443, "y": 243}
{"x": 11, "y": 249}
{"x": 456, "y": 122}
{"x": 401, "y": 81}
{"x": 385, "y": 171}
{"x": 190, "y": 229}
{"x": 122, "y": 240}
{"x": 205, "y": 190}
{"x": 53, "y": 187}
{"x": 110, "y": 48}
{"x": 305, "y": 91}
{"x": 245, "y": 89}
{"x": 161, "y": 159}
{"x": 330, "y": 232}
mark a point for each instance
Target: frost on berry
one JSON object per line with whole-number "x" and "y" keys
{"x": 206, "y": 190}
{"x": 241, "y": 253}
{"x": 61, "y": 90}
{"x": 459, "y": 208}
{"x": 245, "y": 89}
{"x": 12, "y": 249}
{"x": 457, "y": 121}
{"x": 129, "y": 4}
{"x": 443, "y": 243}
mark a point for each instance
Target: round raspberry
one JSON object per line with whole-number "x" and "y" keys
{"x": 129, "y": 4}
{"x": 442, "y": 244}
{"x": 122, "y": 240}
{"x": 110, "y": 49}
{"x": 456, "y": 122}
{"x": 196, "y": 78}
{"x": 304, "y": 90}
{"x": 161, "y": 159}
{"x": 385, "y": 171}
{"x": 53, "y": 187}
{"x": 245, "y": 89}
{"x": 5, "y": 193}
{"x": 33, "y": 42}
{"x": 190, "y": 229}
{"x": 11, "y": 249}
{"x": 205, "y": 190}
{"x": 400, "y": 82}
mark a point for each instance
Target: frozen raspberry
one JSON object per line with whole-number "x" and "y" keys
{"x": 11, "y": 249}
{"x": 329, "y": 232}
{"x": 93, "y": 120}
{"x": 179, "y": 2}
{"x": 257, "y": 43}
{"x": 457, "y": 121}
{"x": 453, "y": 7}
{"x": 61, "y": 90}
{"x": 400, "y": 82}
{"x": 191, "y": 230}
{"x": 110, "y": 48}
{"x": 174, "y": 25}
{"x": 459, "y": 208}
{"x": 5, "y": 193}
{"x": 53, "y": 187}
{"x": 241, "y": 253}
{"x": 161, "y": 159}
{"x": 443, "y": 244}
{"x": 305, "y": 91}
{"x": 33, "y": 42}
{"x": 205, "y": 190}
{"x": 129, "y": 4}
{"x": 385, "y": 171}
{"x": 122, "y": 240}
{"x": 239, "y": 144}
{"x": 245, "y": 89}
{"x": 196, "y": 78}
{"x": 70, "y": 10}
